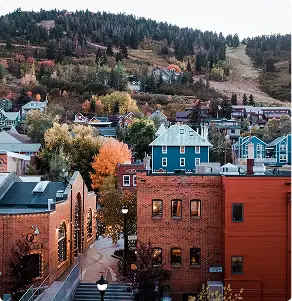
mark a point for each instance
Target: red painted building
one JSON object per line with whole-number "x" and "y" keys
{"x": 126, "y": 175}
{"x": 241, "y": 223}
{"x": 257, "y": 244}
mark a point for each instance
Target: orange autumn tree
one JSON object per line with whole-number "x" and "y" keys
{"x": 105, "y": 163}
{"x": 86, "y": 106}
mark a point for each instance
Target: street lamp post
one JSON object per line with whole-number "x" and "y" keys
{"x": 125, "y": 212}
{"x": 102, "y": 286}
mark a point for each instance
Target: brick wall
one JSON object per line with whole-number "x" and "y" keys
{"x": 3, "y": 163}
{"x": 129, "y": 170}
{"x": 204, "y": 233}
{"x": 14, "y": 227}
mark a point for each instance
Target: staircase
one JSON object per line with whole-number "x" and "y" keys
{"x": 115, "y": 291}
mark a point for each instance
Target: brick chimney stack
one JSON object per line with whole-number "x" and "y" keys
{"x": 250, "y": 158}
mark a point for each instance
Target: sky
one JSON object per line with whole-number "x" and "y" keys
{"x": 245, "y": 17}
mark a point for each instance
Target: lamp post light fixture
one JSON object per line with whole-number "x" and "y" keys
{"x": 125, "y": 212}
{"x": 102, "y": 286}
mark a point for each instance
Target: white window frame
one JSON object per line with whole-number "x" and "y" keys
{"x": 181, "y": 131}
{"x": 259, "y": 147}
{"x": 162, "y": 159}
{"x": 197, "y": 149}
{"x": 283, "y": 147}
{"x": 124, "y": 177}
{"x": 283, "y": 160}
{"x": 134, "y": 180}
{"x": 197, "y": 159}
{"x": 180, "y": 149}
{"x": 184, "y": 162}
{"x": 164, "y": 151}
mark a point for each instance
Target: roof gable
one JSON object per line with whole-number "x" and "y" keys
{"x": 7, "y": 138}
{"x": 178, "y": 135}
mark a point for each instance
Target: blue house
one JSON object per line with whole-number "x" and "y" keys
{"x": 280, "y": 150}
{"x": 179, "y": 147}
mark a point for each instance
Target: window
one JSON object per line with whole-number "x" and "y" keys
{"x": 283, "y": 147}
{"x": 259, "y": 147}
{"x": 232, "y": 131}
{"x": 195, "y": 208}
{"x": 176, "y": 208}
{"x": 197, "y": 150}
{"x": 283, "y": 158}
{"x": 31, "y": 265}
{"x": 237, "y": 212}
{"x": 164, "y": 149}
{"x": 89, "y": 223}
{"x": 195, "y": 257}
{"x": 62, "y": 243}
{"x": 134, "y": 180}
{"x": 182, "y": 150}
{"x": 156, "y": 208}
{"x": 126, "y": 180}
{"x": 164, "y": 162}
{"x": 157, "y": 256}
{"x": 237, "y": 264}
{"x": 175, "y": 257}
{"x": 182, "y": 162}
{"x": 197, "y": 161}
{"x": 181, "y": 131}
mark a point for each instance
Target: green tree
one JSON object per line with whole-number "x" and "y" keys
{"x": 270, "y": 67}
{"x": 235, "y": 41}
{"x": 124, "y": 51}
{"x": 277, "y": 128}
{"x": 234, "y": 99}
{"x": 214, "y": 106}
{"x": 195, "y": 116}
{"x": 139, "y": 135}
{"x": 244, "y": 124}
{"x": 251, "y": 100}
{"x": 244, "y": 99}
{"x": 109, "y": 50}
{"x": 59, "y": 164}
{"x": 189, "y": 67}
{"x": 119, "y": 57}
{"x": 226, "y": 108}
{"x": 2, "y": 71}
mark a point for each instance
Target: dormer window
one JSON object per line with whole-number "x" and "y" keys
{"x": 181, "y": 131}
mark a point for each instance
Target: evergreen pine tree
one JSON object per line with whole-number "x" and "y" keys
{"x": 226, "y": 108}
{"x": 119, "y": 57}
{"x": 160, "y": 80}
{"x": 151, "y": 84}
{"x": 244, "y": 100}
{"x": 109, "y": 50}
{"x": 98, "y": 55}
{"x": 195, "y": 115}
{"x": 270, "y": 65}
{"x": 189, "y": 67}
{"x": 104, "y": 60}
{"x": 251, "y": 100}
{"x": 234, "y": 99}
{"x": 124, "y": 51}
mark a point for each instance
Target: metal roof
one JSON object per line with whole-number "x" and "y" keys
{"x": 276, "y": 141}
{"x": 20, "y": 147}
{"x": 177, "y": 135}
{"x": 161, "y": 129}
{"x": 11, "y": 115}
{"x": 34, "y": 105}
{"x": 157, "y": 114}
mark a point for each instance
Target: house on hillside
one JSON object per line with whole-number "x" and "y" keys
{"x": 33, "y": 105}
{"x": 231, "y": 128}
{"x": 5, "y": 104}
{"x": 184, "y": 116}
{"x": 160, "y": 117}
{"x": 9, "y": 119}
{"x": 168, "y": 76}
{"x": 180, "y": 148}
{"x": 80, "y": 118}
{"x": 13, "y": 162}
{"x": 280, "y": 150}
{"x": 103, "y": 125}
{"x": 240, "y": 151}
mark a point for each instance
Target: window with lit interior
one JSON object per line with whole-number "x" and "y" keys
{"x": 89, "y": 223}
{"x": 176, "y": 208}
{"x": 62, "y": 243}
{"x": 195, "y": 208}
{"x": 156, "y": 208}
{"x": 157, "y": 256}
{"x": 195, "y": 257}
{"x": 175, "y": 256}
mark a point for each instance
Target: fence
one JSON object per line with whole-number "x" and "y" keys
{"x": 67, "y": 285}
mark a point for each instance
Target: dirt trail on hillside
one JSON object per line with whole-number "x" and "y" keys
{"x": 244, "y": 78}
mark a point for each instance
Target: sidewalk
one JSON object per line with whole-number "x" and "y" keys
{"x": 97, "y": 259}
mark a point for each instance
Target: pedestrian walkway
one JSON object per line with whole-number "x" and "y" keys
{"x": 98, "y": 259}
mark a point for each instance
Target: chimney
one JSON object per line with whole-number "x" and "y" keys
{"x": 250, "y": 158}
{"x": 206, "y": 132}
{"x": 202, "y": 131}
{"x": 147, "y": 161}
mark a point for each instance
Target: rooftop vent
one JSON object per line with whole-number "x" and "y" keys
{"x": 41, "y": 187}
{"x": 59, "y": 195}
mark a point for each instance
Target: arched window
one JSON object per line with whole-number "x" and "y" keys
{"x": 62, "y": 243}
{"x": 89, "y": 223}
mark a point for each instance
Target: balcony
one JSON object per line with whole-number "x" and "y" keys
{"x": 259, "y": 160}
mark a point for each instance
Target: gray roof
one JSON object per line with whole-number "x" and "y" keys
{"x": 157, "y": 114}
{"x": 11, "y": 115}
{"x": 20, "y": 147}
{"x": 5, "y": 137}
{"x": 21, "y": 194}
{"x": 161, "y": 129}
{"x": 34, "y": 105}
{"x": 173, "y": 136}
{"x": 276, "y": 141}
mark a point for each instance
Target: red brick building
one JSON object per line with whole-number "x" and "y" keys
{"x": 198, "y": 222}
{"x": 56, "y": 219}
{"x": 126, "y": 175}
{"x": 181, "y": 215}
{"x": 257, "y": 240}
